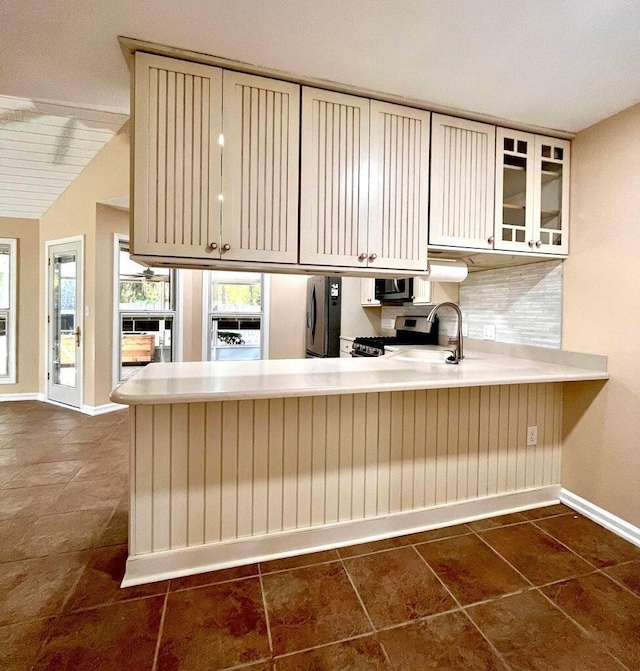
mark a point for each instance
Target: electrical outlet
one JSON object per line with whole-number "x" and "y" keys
{"x": 489, "y": 332}
{"x": 532, "y": 436}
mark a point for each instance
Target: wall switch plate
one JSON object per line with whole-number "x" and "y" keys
{"x": 532, "y": 436}
{"x": 489, "y": 332}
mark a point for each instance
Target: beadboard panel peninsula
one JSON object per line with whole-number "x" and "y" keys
{"x": 211, "y": 472}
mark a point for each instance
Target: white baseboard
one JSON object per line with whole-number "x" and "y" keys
{"x": 94, "y": 410}
{"x": 602, "y": 517}
{"x": 27, "y": 396}
{"x": 213, "y": 556}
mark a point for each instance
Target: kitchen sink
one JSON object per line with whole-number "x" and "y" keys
{"x": 431, "y": 354}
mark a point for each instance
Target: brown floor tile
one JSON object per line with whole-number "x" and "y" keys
{"x": 495, "y": 522}
{"x": 214, "y": 577}
{"x": 62, "y": 532}
{"x": 100, "y": 581}
{"x": 360, "y": 654}
{"x": 447, "y": 642}
{"x": 29, "y": 501}
{"x": 597, "y": 545}
{"x": 312, "y": 606}
{"x": 531, "y": 634}
{"x": 117, "y": 530}
{"x": 12, "y": 531}
{"x": 20, "y": 644}
{"x": 396, "y": 586}
{"x": 439, "y": 534}
{"x": 85, "y": 434}
{"x": 9, "y": 472}
{"x": 547, "y": 511}
{"x": 121, "y": 637}
{"x": 45, "y": 474}
{"x": 627, "y": 574}
{"x": 36, "y": 588}
{"x": 103, "y": 468}
{"x": 607, "y": 611}
{"x": 374, "y": 546}
{"x": 298, "y": 561}
{"x": 538, "y": 557}
{"x": 89, "y": 494}
{"x": 214, "y": 627}
{"x": 471, "y": 570}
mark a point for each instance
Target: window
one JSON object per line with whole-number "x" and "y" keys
{"x": 146, "y": 314}
{"x": 8, "y": 262}
{"x": 235, "y": 315}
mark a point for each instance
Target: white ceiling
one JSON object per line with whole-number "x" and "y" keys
{"x": 43, "y": 148}
{"x": 563, "y": 64}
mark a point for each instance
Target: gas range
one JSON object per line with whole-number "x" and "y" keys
{"x": 410, "y": 330}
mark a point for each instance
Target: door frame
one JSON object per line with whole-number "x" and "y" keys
{"x": 80, "y": 316}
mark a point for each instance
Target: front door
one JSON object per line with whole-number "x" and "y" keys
{"x": 65, "y": 309}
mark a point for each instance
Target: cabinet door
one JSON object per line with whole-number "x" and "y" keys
{"x": 334, "y": 179}
{"x": 368, "y": 292}
{"x": 551, "y": 195}
{"x": 261, "y": 126}
{"x": 515, "y": 179}
{"x": 462, "y": 183}
{"x": 421, "y": 291}
{"x": 177, "y": 121}
{"x": 399, "y": 183}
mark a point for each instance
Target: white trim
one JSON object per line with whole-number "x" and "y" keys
{"x": 601, "y": 516}
{"x": 115, "y": 308}
{"x": 25, "y": 396}
{"x": 80, "y": 316}
{"x": 266, "y": 314}
{"x": 12, "y": 342}
{"x": 213, "y": 556}
{"x": 94, "y": 410}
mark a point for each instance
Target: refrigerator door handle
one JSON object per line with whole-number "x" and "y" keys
{"x": 313, "y": 315}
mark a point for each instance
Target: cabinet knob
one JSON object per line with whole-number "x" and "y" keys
{"x": 491, "y": 239}
{"x": 226, "y": 248}
{"x": 213, "y": 245}
{"x": 362, "y": 257}
{"x": 373, "y": 257}
{"x": 539, "y": 243}
{"x": 530, "y": 243}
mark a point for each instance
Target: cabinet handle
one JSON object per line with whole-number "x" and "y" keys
{"x": 226, "y": 248}
{"x": 362, "y": 257}
{"x": 530, "y": 243}
{"x": 373, "y": 257}
{"x": 539, "y": 243}
{"x": 213, "y": 245}
{"x": 491, "y": 239}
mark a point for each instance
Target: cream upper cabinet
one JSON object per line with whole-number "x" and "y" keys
{"x": 216, "y": 163}
{"x": 334, "y": 179}
{"x": 368, "y": 293}
{"x": 421, "y": 291}
{"x": 462, "y": 183}
{"x": 261, "y": 122}
{"x": 532, "y": 190}
{"x": 398, "y": 186}
{"x": 177, "y": 120}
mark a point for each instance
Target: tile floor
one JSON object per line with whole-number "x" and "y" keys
{"x": 543, "y": 590}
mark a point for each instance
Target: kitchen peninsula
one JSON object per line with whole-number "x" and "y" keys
{"x": 237, "y": 462}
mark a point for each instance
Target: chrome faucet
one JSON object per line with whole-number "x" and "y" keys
{"x": 456, "y": 354}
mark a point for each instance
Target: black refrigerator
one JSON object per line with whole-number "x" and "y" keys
{"x": 324, "y": 298}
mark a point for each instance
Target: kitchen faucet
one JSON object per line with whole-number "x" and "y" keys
{"x": 456, "y": 354}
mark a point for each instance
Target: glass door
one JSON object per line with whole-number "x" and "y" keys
{"x": 64, "y": 372}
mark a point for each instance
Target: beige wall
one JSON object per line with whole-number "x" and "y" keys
{"x": 25, "y": 231}
{"x": 601, "y": 454}
{"x": 75, "y": 213}
{"x": 288, "y": 297}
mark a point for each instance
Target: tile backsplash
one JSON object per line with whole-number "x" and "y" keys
{"x": 524, "y": 304}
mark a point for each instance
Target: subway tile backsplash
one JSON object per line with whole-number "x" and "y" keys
{"x": 523, "y": 303}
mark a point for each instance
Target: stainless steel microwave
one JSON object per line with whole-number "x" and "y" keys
{"x": 390, "y": 291}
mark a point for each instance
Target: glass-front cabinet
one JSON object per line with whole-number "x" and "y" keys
{"x": 532, "y": 193}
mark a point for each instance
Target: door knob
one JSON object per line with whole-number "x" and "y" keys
{"x": 226, "y": 248}
{"x": 213, "y": 245}
{"x": 530, "y": 243}
{"x": 491, "y": 239}
{"x": 362, "y": 257}
{"x": 373, "y": 257}
{"x": 539, "y": 243}
{"x": 78, "y": 336}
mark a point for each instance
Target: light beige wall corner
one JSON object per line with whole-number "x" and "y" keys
{"x": 287, "y": 304}
{"x": 109, "y": 221}
{"x": 191, "y": 282}
{"x": 72, "y": 214}
{"x": 355, "y": 320}
{"x": 601, "y": 314}
{"x": 26, "y": 232}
